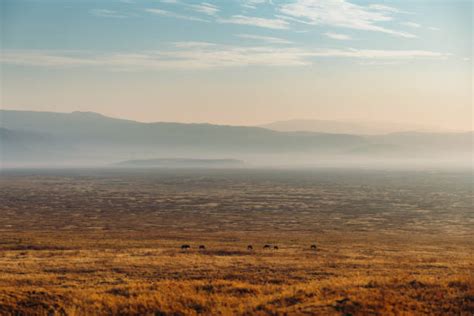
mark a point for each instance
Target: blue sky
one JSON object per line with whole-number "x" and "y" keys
{"x": 325, "y": 57}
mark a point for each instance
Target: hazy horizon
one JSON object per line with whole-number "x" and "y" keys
{"x": 242, "y": 62}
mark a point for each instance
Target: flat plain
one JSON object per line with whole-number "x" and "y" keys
{"x": 90, "y": 241}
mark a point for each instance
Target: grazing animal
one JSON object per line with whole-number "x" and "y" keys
{"x": 275, "y": 247}
{"x": 202, "y": 247}
{"x": 184, "y": 247}
{"x": 313, "y": 247}
{"x": 266, "y": 247}
{"x": 249, "y": 247}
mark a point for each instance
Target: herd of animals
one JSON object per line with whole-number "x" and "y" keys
{"x": 249, "y": 247}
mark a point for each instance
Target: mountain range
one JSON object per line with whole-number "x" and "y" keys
{"x": 29, "y": 138}
{"x": 350, "y": 127}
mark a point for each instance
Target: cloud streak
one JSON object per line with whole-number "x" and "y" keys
{"x": 264, "y": 39}
{"x": 337, "y": 36}
{"x": 104, "y": 13}
{"x": 205, "y": 8}
{"x": 256, "y": 21}
{"x": 174, "y": 15}
{"x": 411, "y": 24}
{"x": 198, "y": 55}
{"x": 253, "y": 4}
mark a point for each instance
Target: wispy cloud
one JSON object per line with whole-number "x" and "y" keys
{"x": 411, "y": 24}
{"x": 252, "y": 4}
{"x": 198, "y": 55}
{"x": 174, "y": 15}
{"x": 341, "y": 13}
{"x": 256, "y": 21}
{"x": 107, "y": 13}
{"x": 194, "y": 44}
{"x": 205, "y": 8}
{"x": 182, "y": 56}
{"x": 381, "y": 54}
{"x": 264, "y": 39}
{"x": 386, "y": 8}
{"x": 338, "y": 36}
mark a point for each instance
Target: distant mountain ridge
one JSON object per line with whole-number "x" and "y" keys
{"x": 49, "y": 138}
{"x": 347, "y": 127}
{"x": 96, "y": 138}
{"x": 102, "y": 128}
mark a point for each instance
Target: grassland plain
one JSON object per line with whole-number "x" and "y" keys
{"x": 84, "y": 242}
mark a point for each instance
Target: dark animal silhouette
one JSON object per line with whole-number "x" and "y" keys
{"x": 266, "y": 247}
{"x": 313, "y": 247}
{"x": 184, "y": 247}
{"x": 275, "y": 247}
{"x": 202, "y": 247}
{"x": 249, "y": 247}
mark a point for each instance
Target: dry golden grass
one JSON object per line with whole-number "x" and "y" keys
{"x": 77, "y": 275}
{"x": 66, "y": 258}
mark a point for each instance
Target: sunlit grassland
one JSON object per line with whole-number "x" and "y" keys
{"x": 82, "y": 244}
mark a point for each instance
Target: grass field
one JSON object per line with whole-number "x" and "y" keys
{"x": 82, "y": 242}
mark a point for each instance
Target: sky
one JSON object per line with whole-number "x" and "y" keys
{"x": 241, "y": 62}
